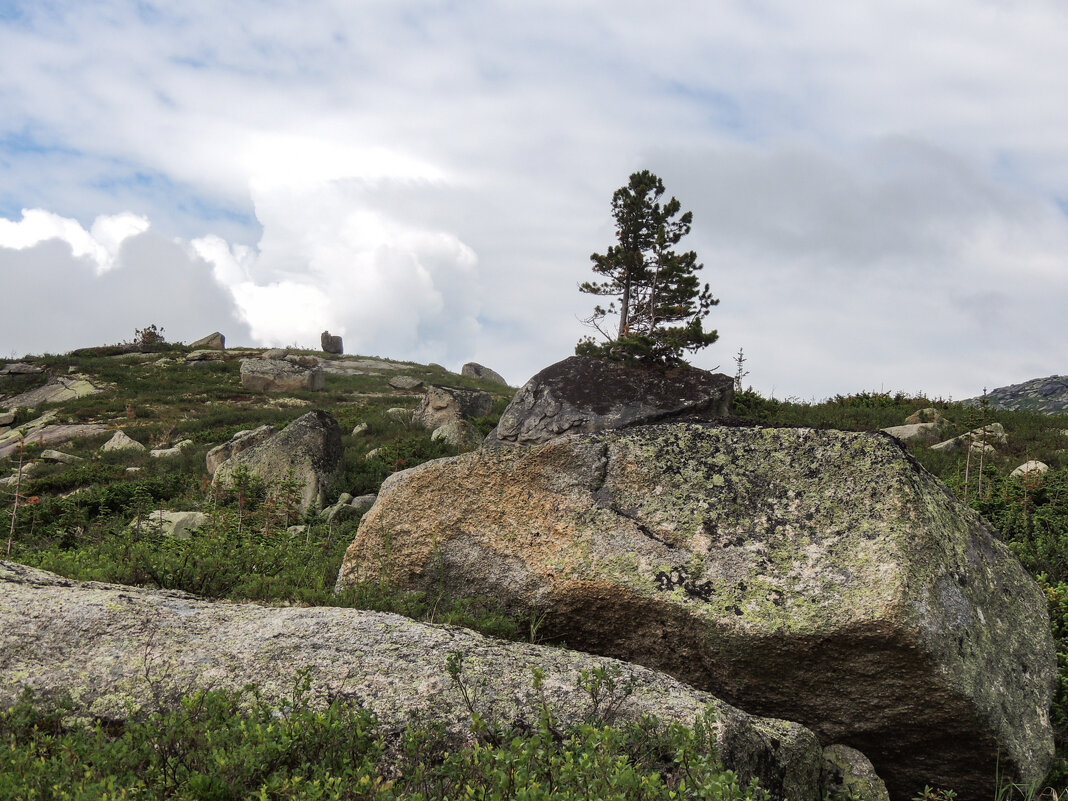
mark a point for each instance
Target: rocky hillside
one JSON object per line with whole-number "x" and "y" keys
{"x": 1049, "y": 395}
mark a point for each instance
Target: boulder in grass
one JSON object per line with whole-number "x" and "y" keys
{"x": 58, "y": 390}
{"x": 984, "y": 438}
{"x": 583, "y": 394}
{"x": 459, "y": 434}
{"x": 122, "y": 442}
{"x": 443, "y": 405}
{"x": 213, "y": 341}
{"x": 308, "y": 450}
{"x": 1032, "y": 467}
{"x": 476, "y": 370}
{"x": 179, "y": 525}
{"x": 818, "y": 576}
{"x": 113, "y": 649}
{"x": 405, "y": 383}
{"x": 331, "y": 343}
{"x": 272, "y": 375}
{"x": 914, "y": 431}
{"x": 58, "y": 456}
{"x": 238, "y": 442}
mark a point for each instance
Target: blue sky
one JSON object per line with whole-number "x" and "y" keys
{"x": 878, "y": 192}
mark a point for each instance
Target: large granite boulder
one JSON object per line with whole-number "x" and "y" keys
{"x": 331, "y": 343}
{"x": 114, "y": 649}
{"x": 482, "y": 373}
{"x": 213, "y": 341}
{"x": 308, "y": 450}
{"x": 278, "y": 375}
{"x": 818, "y": 576}
{"x": 443, "y": 405}
{"x": 583, "y": 394}
{"x": 237, "y": 443}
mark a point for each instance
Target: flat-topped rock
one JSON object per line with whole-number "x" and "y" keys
{"x": 279, "y": 375}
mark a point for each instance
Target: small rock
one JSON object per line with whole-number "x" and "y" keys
{"x": 59, "y": 456}
{"x": 7, "y": 418}
{"x": 978, "y": 439}
{"x": 458, "y": 433}
{"x": 204, "y": 356}
{"x": 121, "y": 442}
{"x": 302, "y": 360}
{"x": 363, "y": 501}
{"x": 275, "y": 354}
{"x": 359, "y": 429}
{"x": 133, "y": 469}
{"x": 167, "y": 453}
{"x": 1032, "y": 466}
{"x": 372, "y": 454}
{"x": 847, "y": 773}
{"x": 344, "y": 498}
{"x": 475, "y": 370}
{"x": 405, "y": 382}
{"x": 213, "y": 341}
{"x": 401, "y": 415}
{"x": 13, "y": 479}
{"x": 297, "y": 531}
{"x": 179, "y": 525}
{"x": 443, "y": 405}
{"x": 913, "y": 431}
{"x": 330, "y": 343}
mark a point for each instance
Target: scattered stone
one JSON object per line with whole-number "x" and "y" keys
{"x": 330, "y": 343}
{"x": 238, "y": 442}
{"x": 179, "y": 525}
{"x": 27, "y": 469}
{"x": 213, "y": 341}
{"x": 405, "y": 382}
{"x": 169, "y": 453}
{"x": 817, "y": 576}
{"x": 303, "y": 360}
{"x": 917, "y": 431}
{"x": 121, "y": 442}
{"x": 7, "y": 418}
{"x": 164, "y": 362}
{"x": 308, "y": 449}
{"x": 1032, "y": 466}
{"x": 582, "y": 394}
{"x": 205, "y": 356}
{"x": 43, "y": 431}
{"x": 57, "y": 390}
{"x": 371, "y": 454}
{"x": 400, "y": 414}
{"x": 983, "y": 438}
{"x": 363, "y": 502}
{"x": 20, "y": 368}
{"x": 848, "y": 774}
{"x": 60, "y": 457}
{"x": 133, "y": 469}
{"x": 275, "y": 354}
{"x": 475, "y": 370}
{"x": 359, "y": 429}
{"x": 443, "y": 405}
{"x": 270, "y": 375}
{"x": 459, "y": 434}
{"x": 96, "y": 642}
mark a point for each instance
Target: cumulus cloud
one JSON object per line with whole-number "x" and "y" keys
{"x": 100, "y": 244}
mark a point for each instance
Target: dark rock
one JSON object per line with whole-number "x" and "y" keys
{"x": 331, "y": 343}
{"x": 213, "y": 341}
{"x": 583, "y": 394}
{"x": 475, "y": 370}
{"x": 238, "y": 442}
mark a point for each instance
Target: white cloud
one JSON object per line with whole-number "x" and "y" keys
{"x": 100, "y": 244}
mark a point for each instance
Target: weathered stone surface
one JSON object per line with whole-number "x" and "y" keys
{"x": 582, "y": 394}
{"x": 476, "y": 370}
{"x": 44, "y": 431}
{"x": 20, "y": 368}
{"x": 7, "y": 418}
{"x": 405, "y": 382}
{"x": 928, "y": 415}
{"x": 359, "y": 429}
{"x": 277, "y": 375}
{"x": 122, "y": 442}
{"x": 238, "y": 442}
{"x": 443, "y": 405}
{"x": 400, "y": 414}
{"x": 170, "y": 453}
{"x": 820, "y": 576}
{"x": 13, "y": 480}
{"x": 914, "y": 431}
{"x": 59, "y": 456}
{"x": 1048, "y": 395}
{"x": 57, "y": 390}
{"x": 1032, "y": 466}
{"x": 848, "y": 774}
{"x": 303, "y": 360}
{"x": 330, "y": 343}
{"x": 458, "y": 433}
{"x": 206, "y": 355}
{"x": 179, "y": 525}
{"x": 213, "y": 341}
{"x": 362, "y": 502}
{"x": 275, "y": 354}
{"x": 114, "y": 647}
{"x": 308, "y": 449}
{"x": 984, "y": 438}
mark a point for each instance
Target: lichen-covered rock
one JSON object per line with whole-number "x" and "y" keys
{"x": 928, "y": 415}
{"x": 850, "y": 776}
{"x": 819, "y": 576}
{"x": 582, "y": 394}
{"x": 172, "y": 452}
{"x": 918, "y": 431}
{"x": 459, "y": 434}
{"x": 405, "y": 383}
{"x": 115, "y": 648}
{"x": 44, "y": 430}
{"x": 443, "y": 405}
{"x": 983, "y": 438}
{"x": 238, "y": 442}
{"x": 121, "y": 441}
{"x": 279, "y": 375}
{"x": 57, "y": 390}
{"x": 179, "y": 525}
{"x": 308, "y": 451}
{"x": 476, "y": 370}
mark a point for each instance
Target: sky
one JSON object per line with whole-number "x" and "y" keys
{"x": 879, "y": 190}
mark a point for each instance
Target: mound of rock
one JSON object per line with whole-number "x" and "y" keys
{"x": 443, "y": 405}
{"x": 57, "y": 390}
{"x": 279, "y": 375}
{"x": 238, "y": 442}
{"x": 476, "y": 370}
{"x": 818, "y": 576}
{"x": 308, "y": 450}
{"x": 213, "y": 341}
{"x": 583, "y": 394}
{"x": 330, "y": 343}
{"x": 113, "y": 648}
{"x": 1049, "y": 394}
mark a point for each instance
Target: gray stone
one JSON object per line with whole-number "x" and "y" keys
{"x": 359, "y": 429}
{"x": 238, "y": 442}
{"x": 340, "y": 513}
{"x": 917, "y": 431}
{"x": 363, "y": 501}
{"x": 20, "y": 368}
{"x": 7, "y": 418}
{"x": 303, "y": 360}
{"x": 59, "y": 456}
{"x": 1033, "y": 466}
{"x": 928, "y": 415}
{"x": 308, "y": 449}
{"x": 205, "y": 355}
{"x": 331, "y": 343}
{"x": 121, "y": 442}
{"x": 475, "y": 370}
{"x": 400, "y": 414}
{"x": 848, "y": 774}
{"x": 13, "y": 480}
{"x": 371, "y": 454}
{"x": 818, "y": 576}
{"x": 582, "y": 394}
{"x": 179, "y": 525}
{"x": 982, "y": 438}
{"x": 213, "y": 341}
{"x": 57, "y": 390}
{"x": 117, "y": 649}
{"x": 275, "y": 354}
{"x": 42, "y": 431}
{"x": 170, "y": 453}
{"x": 459, "y": 434}
{"x": 443, "y": 405}
{"x": 270, "y": 375}
{"x": 405, "y": 382}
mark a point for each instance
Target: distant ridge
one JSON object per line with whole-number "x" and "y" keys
{"x": 1049, "y": 395}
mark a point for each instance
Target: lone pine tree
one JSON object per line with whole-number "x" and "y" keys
{"x": 661, "y": 303}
